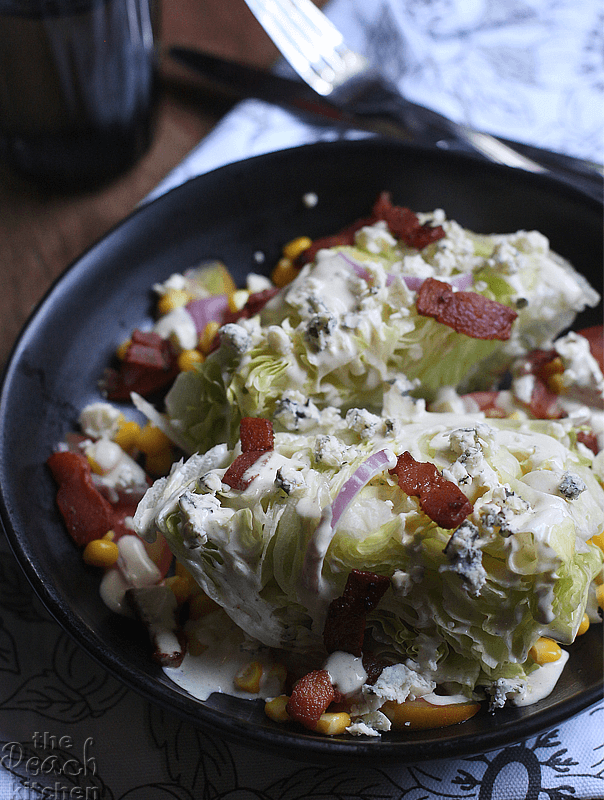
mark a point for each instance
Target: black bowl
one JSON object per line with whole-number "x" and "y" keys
{"x": 232, "y": 214}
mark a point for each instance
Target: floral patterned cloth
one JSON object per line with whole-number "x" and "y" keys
{"x": 531, "y": 70}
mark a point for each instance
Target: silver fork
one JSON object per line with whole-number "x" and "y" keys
{"x": 316, "y": 50}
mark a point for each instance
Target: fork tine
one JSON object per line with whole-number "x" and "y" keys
{"x": 308, "y": 40}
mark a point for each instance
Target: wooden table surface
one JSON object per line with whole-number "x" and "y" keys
{"x": 42, "y": 233}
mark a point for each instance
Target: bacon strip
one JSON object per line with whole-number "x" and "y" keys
{"x": 256, "y": 434}
{"x": 440, "y": 499}
{"x": 257, "y": 438}
{"x": 310, "y": 697}
{"x": 150, "y": 365}
{"x": 589, "y": 439}
{"x": 346, "y": 616}
{"x": 544, "y": 403}
{"x": 402, "y": 222}
{"x": 86, "y": 513}
{"x": 466, "y": 312}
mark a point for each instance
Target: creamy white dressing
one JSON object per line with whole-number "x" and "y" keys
{"x": 346, "y": 672}
{"x": 444, "y": 699}
{"x": 541, "y": 683}
{"x": 225, "y": 652}
{"x": 134, "y": 569}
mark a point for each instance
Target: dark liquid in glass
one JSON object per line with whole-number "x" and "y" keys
{"x": 77, "y": 87}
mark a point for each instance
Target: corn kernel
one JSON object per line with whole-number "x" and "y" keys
{"x": 207, "y": 336}
{"x": 584, "y": 626}
{"x": 248, "y": 678}
{"x": 181, "y": 587}
{"x": 159, "y": 464}
{"x": 598, "y": 540}
{"x": 333, "y": 723}
{"x": 296, "y": 247}
{"x": 101, "y": 553}
{"x": 127, "y": 435}
{"x": 238, "y": 299}
{"x": 188, "y": 360}
{"x": 200, "y": 605}
{"x": 284, "y": 272}
{"x": 600, "y": 595}
{"x": 173, "y": 298}
{"x": 276, "y": 708}
{"x": 545, "y": 650}
{"x": 122, "y": 349}
{"x": 151, "y": 440}
{"x": 556, "y": 383}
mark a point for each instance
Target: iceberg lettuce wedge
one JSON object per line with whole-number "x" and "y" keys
{"x": 348, "y": 326}
{"x": 464, "y": 606}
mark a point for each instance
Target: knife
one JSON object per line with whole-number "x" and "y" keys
{"x": 232, "y": 78}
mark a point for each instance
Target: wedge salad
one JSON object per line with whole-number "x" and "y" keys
{"x": 368, "y": 489}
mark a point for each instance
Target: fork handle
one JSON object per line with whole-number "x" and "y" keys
{"x": 376, "y": 100}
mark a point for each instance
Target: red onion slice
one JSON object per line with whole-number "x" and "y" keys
{"x": 378, "y": 462}
{"x": 208, "y": 309}
{"x": 413, "y": 282}
{"x": 356, "y": 267}
{"x": 462, "y": 281}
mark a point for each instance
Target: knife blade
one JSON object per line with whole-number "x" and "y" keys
{"x": 244, "y": 81}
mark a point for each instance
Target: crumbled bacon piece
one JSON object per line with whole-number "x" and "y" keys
{"x": 149, "y": 365}
{"x": 310, "y": 697}
{"x": 404, "y": 223}
{"x": 256, "y": 433}
{"x": 346, "y": 616}
{"x": 88, "y": 510}
{"x": 544, "y": 366}
{"x": 589, "y": 439}
{"x": 440, "y": 499}
{"x": 86, "y": 513}
{"x": 544, "y": 403}
{"x": 401, "y": 221}
{"x": 466, "y": 312}
{"x": 256, "y": 436}
{"x": 233, "y": 477}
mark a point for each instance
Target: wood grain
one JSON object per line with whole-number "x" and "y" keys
{"x": 41, "y": 233}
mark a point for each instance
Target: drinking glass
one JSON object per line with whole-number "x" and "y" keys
{"x": 77, "y": 87}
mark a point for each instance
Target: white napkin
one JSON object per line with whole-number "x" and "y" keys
{"x": 528, "y": 70}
